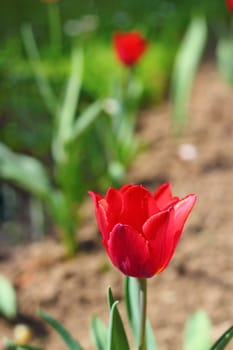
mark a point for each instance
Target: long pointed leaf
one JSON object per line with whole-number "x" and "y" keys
{"x": 71, "y": 343}
{"x": 44, "y": 87}
{"x": 150, "y": 339}
{"x": 99, "y": 333}
{"x": 225, "y": 58}
{"x": 185, "y": 68}
{"x": 132, "y": 300}
{"x": 68, "y": 108}
{"x": 24, "y": 170}
{"x": 133, "y": 313}
{"x": 86, "y": 119}
{"x": 198, "y": 332}
{"x": 117, "y": 338}
{"x": 222, "y": 342}
{"x": 8, "y": 305}
{"x": 12, "y": 346}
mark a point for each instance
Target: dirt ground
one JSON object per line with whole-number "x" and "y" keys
{"x": 200, "y": 274}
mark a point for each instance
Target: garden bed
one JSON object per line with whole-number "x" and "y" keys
{"x": 200, "y": 274}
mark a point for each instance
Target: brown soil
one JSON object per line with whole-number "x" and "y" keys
{"x": 200, "y": 274}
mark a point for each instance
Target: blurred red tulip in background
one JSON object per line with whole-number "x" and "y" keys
{"x": 129, "y": 47}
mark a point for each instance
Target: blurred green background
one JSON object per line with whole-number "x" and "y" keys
{"x": 26, "y": 126}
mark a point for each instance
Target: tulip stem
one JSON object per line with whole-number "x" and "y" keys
{"x": 142, "y": 282}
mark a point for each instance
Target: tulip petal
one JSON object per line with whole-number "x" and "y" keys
{"x": 163, "y": 195}
{"x": 158, "y": 231}
{"x": 129, "y": 252}
{"x": 114, "y": 207}
{"x": 182, "y": 211}
{"x": 100, "y": 213}
{"x": 135, "y": 206}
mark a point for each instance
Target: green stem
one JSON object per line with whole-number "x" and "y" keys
{"x": 55, "y": 27}
{"x": 143, "y": 305}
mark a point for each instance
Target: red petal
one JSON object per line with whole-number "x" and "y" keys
{"x": 182, "y": 211}
{"x": 100, "y": 213}
{"x": 95, "y": 196}
{"x": 114, "y": 200}
{"x": 128, "y": 251}
{"x": 163, "y": 195}
{"x": 135, "y": 206}
{"x": 158, "y": 231}
{"x": 129, "y": 47}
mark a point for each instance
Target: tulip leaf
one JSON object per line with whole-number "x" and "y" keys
{"x": 198, "y": 332}
{"x": 132, "y": 308}
{"x": 133, "y": 313}
{"x": 71, "y": 343}
{"x": 111, "y": 299}
{"x": 12, "y": 346}
{"x": 150, "y": 339}
{"x": 86, "y": 119}
{"x": 68, "y": 109}
{"x": 222, "y": 342}
{"x": 186, "y": 64}
{"x": 117, "y": 338}
{"x": 44, "y": 87}
{"x": 8, "y": 304}
{"x": 225, "y": 58}
{"x": 99, "y": 333}
{"x": 24, "y": 170}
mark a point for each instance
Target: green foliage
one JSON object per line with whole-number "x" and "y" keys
{"x": 198, "y": 332}
{"x": 185, "y": 67}
{"x": 8, "y": 304}
{"x": 225, "y": 58}
{"x": 99, "y": 333}
{"x": 12, "y": 346}
{"x": 117, "y": 338}
{"x": 68, "y": 177}
{"x": 222, "y": 342}
{"x": 23, "y": 170}
{"x": 71, "y": 343}
{"x": 132, "y": 300}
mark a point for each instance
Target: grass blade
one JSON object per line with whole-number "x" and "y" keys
{"x": 71, "y": 343}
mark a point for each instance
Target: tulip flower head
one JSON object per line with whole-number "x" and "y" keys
{"x": 140, "y": 229}
{"x": 129, "y": 47}
{"x": 230, "y": 4}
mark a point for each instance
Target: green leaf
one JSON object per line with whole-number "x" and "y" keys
{"x": 111, "y": 299}
{"x": 8, "y": 304}
{"x": 225, "y": 58}
{"x": 198, "y": 332}
{"x": 150, "y": 339}
{"x": 43, "y": 84}
{"x": 133, "y": 313}
{"x": 12, "y": 346}
{"x": 67, "y": 113}
{"x": 222, "y": 342}
{"x": 117, "y": 338}
{"x": 86, "y": 119}
{"x": 186, "y": 64}
{"x": 132, "y": 308}
{"x": 71, "y": 343}
{"x": 99, "y": 333}
{"x": 25, "y": 171}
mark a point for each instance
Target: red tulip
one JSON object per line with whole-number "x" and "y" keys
{"x": 140, "y": 229}
{"x": 129, "y": 47}
{"x": 230, "y": 4}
